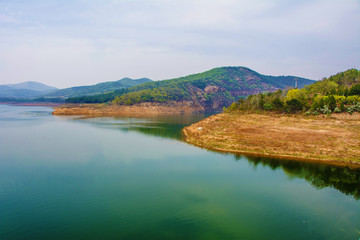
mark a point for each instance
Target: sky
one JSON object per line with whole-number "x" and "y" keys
{"x": 83, "y": 42}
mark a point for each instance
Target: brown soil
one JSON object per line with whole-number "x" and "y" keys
{"x": 334, "y": 139}
{"x": 116, "y": 110}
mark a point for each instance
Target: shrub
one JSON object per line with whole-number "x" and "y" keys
{"x": 294, "y": 105}
{"x": 337, "y": 110}
{"x": 357, "y": 107}
{"x": 355, "y": 90}
{"x": 325, "y": 110}
{"x": 342, "y": 107}
{"x": 277, "y": 103}
{"x": 268, "y": 107}
{"x": 350, "y": 109}
{"x": 315, "y": 105}
{"x": 331, "y": 102}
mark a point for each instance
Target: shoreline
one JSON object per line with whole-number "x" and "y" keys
{"x": 205, "y": 134}
{"x": 184, "y": 107}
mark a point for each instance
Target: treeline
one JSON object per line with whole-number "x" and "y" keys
{"x": 338, "y": 93}
{"x": 159, "y": 94}
{"x": 232, "y": 81}
{"x": 168, "y": 90}
{"x": 40, "y": 99}
{"x": 98, "y": 89}
{"x": 100, "y": 98}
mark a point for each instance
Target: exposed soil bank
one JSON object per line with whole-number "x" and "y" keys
{"x": 334, "y": 140}
{"x": 116, "y": 110}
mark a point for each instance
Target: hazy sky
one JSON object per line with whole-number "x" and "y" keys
{"x": 68, "y": 43}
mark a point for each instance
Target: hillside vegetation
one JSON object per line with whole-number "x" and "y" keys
{"x": 212, "y": 89}
{"x": 338, "y": 93}
{"x": 99, "y": 88}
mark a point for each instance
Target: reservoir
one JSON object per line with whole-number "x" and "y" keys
{"x": 133, "y": 177}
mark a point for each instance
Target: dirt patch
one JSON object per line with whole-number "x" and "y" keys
{"x": 328, "y": 139}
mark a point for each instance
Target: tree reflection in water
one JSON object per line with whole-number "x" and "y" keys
{"x": 344, "y": 179}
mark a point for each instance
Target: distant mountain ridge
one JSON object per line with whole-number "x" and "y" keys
{"x": 211, "y": 90}
{"x": 29, "y": 89}
{"x": 97, "y": 88}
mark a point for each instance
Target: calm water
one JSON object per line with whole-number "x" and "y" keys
{"x": 133, "y": 178}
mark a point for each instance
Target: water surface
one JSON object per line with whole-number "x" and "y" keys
{"x": 133, "y": 178}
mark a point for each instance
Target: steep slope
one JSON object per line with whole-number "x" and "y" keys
{"x": 212, "y": 89}
{"x": 25, "y": 90}
{"x": 98, "y": 88}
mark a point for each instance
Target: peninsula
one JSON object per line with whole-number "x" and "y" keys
{"x": 334, "y": 139}
{"x": 320, "y": 122}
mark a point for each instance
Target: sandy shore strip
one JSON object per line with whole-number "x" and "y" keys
{"x": 116, "y": 110}
{"x": 331, "y": 139}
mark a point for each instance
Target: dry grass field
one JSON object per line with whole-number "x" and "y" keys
{"x": 332, "y": 139}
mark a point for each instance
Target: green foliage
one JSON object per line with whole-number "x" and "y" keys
{"x": 101, "y": 98}
{"x": 231, "y": 83}
{"x": 346, "y": 78}
{"x": 331, "y": 102}
{"x": 294, "y": 105}
{"x": 337, "y": 110}
{"x": 355, "y": 90}
{"x": 268, "y": 106}
{"x": 277, "y": 103}
{"x": 325, "y": 110}
{"x": 322, "y": 87}
{"x": 97, "y": 89}
{"x": 316, "y": 105}
{"x": 326, "y": 96}
{"x": 299, "y": 94}
{"x": 342, "y": 107}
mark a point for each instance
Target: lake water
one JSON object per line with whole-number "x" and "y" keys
{"x": 133, "y": 178}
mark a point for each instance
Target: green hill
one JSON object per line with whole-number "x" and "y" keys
{"x": 98, "y": 88}
{"x": 212, "y": 89}
{"x": 338, "y": 93}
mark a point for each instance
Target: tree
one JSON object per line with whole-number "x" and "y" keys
{"x": 268, "y": 107}
{"x": 355, "y": 90}
{"x": 331, "y": 102}
{"x": 342, "y": 107}
{"x": 277, "y": 103}
{"x": 322, "y": 87}
{"x": 294, "y": 105}
{"x": 298, "y": 94}
{"x": 315, "y": 106}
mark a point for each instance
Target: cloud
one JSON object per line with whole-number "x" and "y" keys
{"x": 65, "y": 43}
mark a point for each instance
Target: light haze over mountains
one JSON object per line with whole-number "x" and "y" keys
{"x": 74, "y": 43}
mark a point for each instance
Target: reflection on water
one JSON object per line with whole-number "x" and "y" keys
{"x": 344, "y": 179}
{"x": 118, "y": 178}
{"x": 165, "y": 126}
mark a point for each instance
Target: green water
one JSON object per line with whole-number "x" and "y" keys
{"x": 133, "y": 178}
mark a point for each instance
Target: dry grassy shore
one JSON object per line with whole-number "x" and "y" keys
{"x": 332, "y": 139}
{"x": 116, "y": 110}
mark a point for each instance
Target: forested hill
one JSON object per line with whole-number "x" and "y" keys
{"x": 212, "y": 89}
{"x": 98, "y": 88}
{"x": 336, "y": 94}
{"x": 347, "y": 78}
